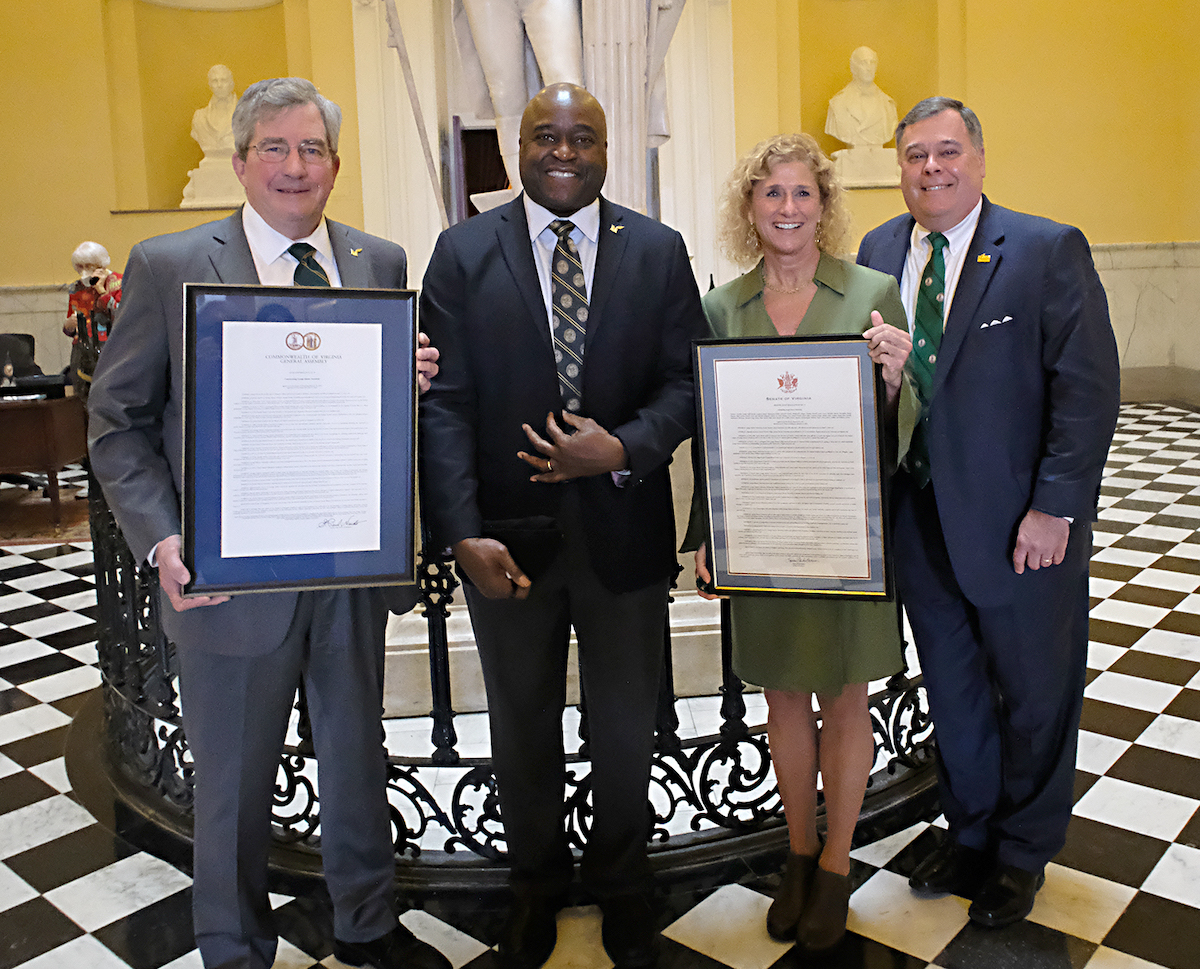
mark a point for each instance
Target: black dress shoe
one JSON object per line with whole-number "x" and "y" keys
{"x": 951, "y": 869}
{"x": 399, "y": 949}
{"x": 627, "y": 931}
{"x": 1006, "y": 897}
{"x": 530, "y": 933}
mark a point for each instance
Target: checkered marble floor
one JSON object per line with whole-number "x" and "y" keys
{"x": 1123, "y": 894}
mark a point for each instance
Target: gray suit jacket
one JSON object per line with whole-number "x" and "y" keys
{"x": 135, "y": 408}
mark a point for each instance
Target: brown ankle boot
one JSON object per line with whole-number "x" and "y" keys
{"x": 784, "y": 914}
{"x": 824, "y": 920}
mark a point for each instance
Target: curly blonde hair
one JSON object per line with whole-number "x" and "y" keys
{"x": 735, "y": 230}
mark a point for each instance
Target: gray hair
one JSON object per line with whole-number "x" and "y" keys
{"x": 89, "y": 254}
{"x": 263, "y": 99}
{"x": 936, "y": 105}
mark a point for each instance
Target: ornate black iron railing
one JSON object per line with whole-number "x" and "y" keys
{"x": 712, "y": 796}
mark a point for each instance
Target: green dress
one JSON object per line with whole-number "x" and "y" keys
{"x": 811, "y": 645}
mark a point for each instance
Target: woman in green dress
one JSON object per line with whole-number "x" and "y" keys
{"x": 782, "y": 209}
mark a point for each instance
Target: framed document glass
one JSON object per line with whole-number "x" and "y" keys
{"x": 791, "y": 456}
{"x": 299, "y": 422}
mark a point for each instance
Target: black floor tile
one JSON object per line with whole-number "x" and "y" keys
{"x": 1112, "y": 571}
{"x": 1149, "y": 596}
{"x": 1116, "y": 854}
{"x": 69, "y": 857}
{"x": 39, "y": 610}
{"x": 13, "y": 699}
{"x": 1180, "y": 622}
{"x": 1190, "y": 835}
{"x": 155, "y": 935}
{"x": 1186, "y": 705}
{"x": 32, "y": 928}
{"x": 75, "y": 636}
{"x": 1114, "y": 720}
{"x": 1159, "y": 930}
{"x": 1025, "y": 945}
{"x": 1163, "y": 770}
{"x": 1177, "y": 563}
{"x": 10, "y": 635}
{"x": 22, "y": 789}
{"x": 41, "y": 747}
{"x": 50, "y": 552}
{"x": 1153, "y": 666}
{"x": 1136, "y": 543}
{"x": 38, "y": 667}
{"x": 1114, "y": 633}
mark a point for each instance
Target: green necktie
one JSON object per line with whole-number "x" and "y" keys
{"x": 309, "y": 271}
{"x": 568, "y": 296}
{"x": 927, "y": 338}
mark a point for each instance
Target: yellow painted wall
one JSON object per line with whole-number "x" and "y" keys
{"x": 87, "y": 137}
{"x": 1090, "y": 108}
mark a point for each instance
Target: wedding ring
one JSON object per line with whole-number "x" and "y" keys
{"x": 549, "y": 466}
{"x": 1047, "y": 561}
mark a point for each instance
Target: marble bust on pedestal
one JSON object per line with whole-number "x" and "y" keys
{"x": 214, "y": 182}
{"x": 864, "y": 117}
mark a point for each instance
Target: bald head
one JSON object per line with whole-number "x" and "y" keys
{"x": 564, "y": 142}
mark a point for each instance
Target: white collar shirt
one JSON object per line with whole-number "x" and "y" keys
{"x": 958, "y": 241}
{"x": 585, "y": 235}
{"x": 275, "y": 265}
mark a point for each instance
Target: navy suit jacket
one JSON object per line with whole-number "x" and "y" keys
{"x": 1026, "y": 389}
{"x": 482, "y": 306}
{"x": 135, "y": 425}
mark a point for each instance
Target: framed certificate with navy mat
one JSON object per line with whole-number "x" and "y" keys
{"x": 299, "y": 438}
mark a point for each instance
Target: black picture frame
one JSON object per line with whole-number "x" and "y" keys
{"x": 208, "y": 308}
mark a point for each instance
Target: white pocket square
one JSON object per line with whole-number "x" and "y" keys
{"x": 984, "y": 326}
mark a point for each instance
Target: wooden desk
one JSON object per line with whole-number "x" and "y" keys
{"x": 44, "y": 436}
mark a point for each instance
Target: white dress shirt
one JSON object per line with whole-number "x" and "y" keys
{"x": 585, "y": 235}
{"x": 958, "y": 241}
{"x": 275, "y": 265}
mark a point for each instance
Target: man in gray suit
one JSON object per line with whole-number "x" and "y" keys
{"x": 241, "y": 659}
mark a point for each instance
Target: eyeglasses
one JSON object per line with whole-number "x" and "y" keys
{"x": 275, "y": 151}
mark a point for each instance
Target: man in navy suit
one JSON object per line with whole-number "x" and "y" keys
{"x": 993, "y": 511}
{"x": 241, "y": 659}
{"x": 563, "y": 521}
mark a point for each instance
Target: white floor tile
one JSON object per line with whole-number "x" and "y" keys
{"x": 1128, "y": 515}
{"x": 1132, "y": 691}
{"x": 117, "y": 890}
{"x": 60, "y": 622}
{"x": 85, "y": 952}
{"x": 19, "y": 652}
{"x": 1161, "y": 533}
{"x": 192, "y": 960}
{"x": 1164, "y": 579}
{"x": 54, "y": 773}
{"x": 36, "y": 824}
{"x": 77, "y": 600}
{"x": 730, "y": 926}
{"x": 14, "y": 890}
{"x": 17, "y": 600}
{"x": 67, "y": 683}
{"x": 1176, "y": 734}
{"x": 1101, "y": 655}
{"x": 1130, "y": 613}
{"x": 1159, "y": 814}
{"x": 84, "y": 653}
{"x": 1126, "y": 556}
{"x": 1166, "y": 643}
{"x": 39, "y": 580}
{"x": 1080, "y": 904}
{"x": 886, "y": 910}
{"x": 1098, "y": 752}
{"x": 1177, "y": 876}
{"x": 1102, "y": 588}
{"x": 8, "y": 766}
{"x": 1186, "y": 550}
{"x": 32, "y": 720}
{"x": 1105, "y": 958}
{"x": 1189, "y": 603}
{"x": 456, "y": 946}
{"x": 879, "y": 853}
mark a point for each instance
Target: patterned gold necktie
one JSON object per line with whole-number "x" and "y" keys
{"x": 309, "y": 271}
{"x": 568, "y": 297}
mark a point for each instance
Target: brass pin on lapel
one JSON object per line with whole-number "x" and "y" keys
{"x": 615, "y": 228}
{"x": 983, "y": 257}
{"x": 355, "y": 252}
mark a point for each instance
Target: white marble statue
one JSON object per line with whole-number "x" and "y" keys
{"x": 214, "y": 182}
{"x": 864, "y": 117}
{"x": 614, "y": 48}
{"x": 500, "y": 36}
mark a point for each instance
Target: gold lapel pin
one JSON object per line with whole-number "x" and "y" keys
{"x": 615, "y": 228}
{"x": 983, "y": 257}
{"x": 355, "y": 252}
